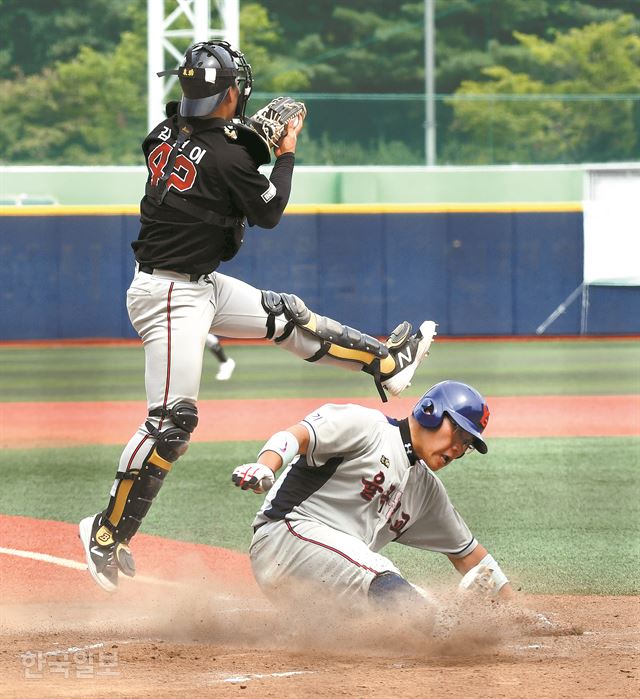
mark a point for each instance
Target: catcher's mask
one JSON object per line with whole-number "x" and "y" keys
{"x": 208, "y": 70}
{"x": 461, "y": 403}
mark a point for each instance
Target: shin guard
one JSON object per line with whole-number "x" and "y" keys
{"x": 134, "y": 496}
{"x": 138, "y": 488}
{"x": 336, "y": 340}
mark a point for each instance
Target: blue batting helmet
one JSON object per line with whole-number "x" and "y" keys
{"x": 462, "y": 403}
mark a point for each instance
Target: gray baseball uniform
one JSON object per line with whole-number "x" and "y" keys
{"x": 174, "y": 359}
{"x": 358, "y": 487}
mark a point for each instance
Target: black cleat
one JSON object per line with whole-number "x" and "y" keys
{"x": 104, "y": 559}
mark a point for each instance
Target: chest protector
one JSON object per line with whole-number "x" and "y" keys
{"x": 160, "y": 193}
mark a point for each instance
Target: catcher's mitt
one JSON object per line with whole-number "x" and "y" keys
{"x": 271, "y": 121}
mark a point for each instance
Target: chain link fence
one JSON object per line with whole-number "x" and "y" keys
{"x": 390, "y": 129}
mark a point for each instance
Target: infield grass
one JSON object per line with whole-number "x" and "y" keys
{"x": 562, "y": 515}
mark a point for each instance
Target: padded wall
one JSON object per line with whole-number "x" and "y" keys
{"x": 474, "y": 273}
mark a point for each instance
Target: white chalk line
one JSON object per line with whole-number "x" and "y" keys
{"x": 93, "y": 646}
{"x": 73, "y": 649}
{"x": 45, "y": 558}
{"x": 530, "y": 646}
{"x": 235, "y": 679}
{"x": 76, "y": 565}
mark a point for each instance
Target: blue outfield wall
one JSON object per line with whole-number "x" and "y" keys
{"x": 475, "y": 273}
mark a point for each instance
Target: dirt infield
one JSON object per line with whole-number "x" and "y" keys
{"x": 195, "y": 624}
{"x": 64, "y": 423}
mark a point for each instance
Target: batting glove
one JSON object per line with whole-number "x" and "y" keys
{"x": 256, "y": 477}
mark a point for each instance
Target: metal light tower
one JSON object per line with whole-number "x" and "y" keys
{"x": 169, "y": 35}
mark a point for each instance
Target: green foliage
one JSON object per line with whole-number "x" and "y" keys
{"x": 372, "y": 46}
{"x": 52, "y": 111}
{"x": 35, "y": 35}
{"x": 90, "y": 110}
{"x": 338, "y": 41}
{"x": 598, "y": 58}
{"x": 331, "y": 151}
{"x": 262, "y": 42}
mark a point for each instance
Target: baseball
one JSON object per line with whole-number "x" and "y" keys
{"x": 265, "y": 484}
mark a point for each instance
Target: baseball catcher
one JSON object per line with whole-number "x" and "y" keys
{"x": 203, "y": 187}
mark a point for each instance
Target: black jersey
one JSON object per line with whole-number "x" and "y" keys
{"x": 216, "y": 171}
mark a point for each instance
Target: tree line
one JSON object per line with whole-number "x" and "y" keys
{"x": 517, "y": 80}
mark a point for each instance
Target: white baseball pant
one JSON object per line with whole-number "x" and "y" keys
{"x": 299, "y": 558}
{"x": 173, "y": 316}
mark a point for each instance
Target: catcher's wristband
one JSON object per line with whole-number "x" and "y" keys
{"x": 284, "y": 444}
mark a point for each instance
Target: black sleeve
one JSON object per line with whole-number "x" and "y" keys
{"x": 262, "y": 200}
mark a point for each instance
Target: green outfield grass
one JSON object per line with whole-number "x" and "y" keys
{"x": 562, "y": 515}
{"x": 264, "y": 371}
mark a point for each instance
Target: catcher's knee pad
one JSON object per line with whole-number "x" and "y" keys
{"x": 138, "y": 488}
{"x": 337, "y": 340}
{"x": 183, "y": 415}
{"x": 173, "y": 442}
{"x": 289, "y": 305}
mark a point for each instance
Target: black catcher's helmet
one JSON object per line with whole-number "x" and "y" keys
{"x": 208, "y": 70}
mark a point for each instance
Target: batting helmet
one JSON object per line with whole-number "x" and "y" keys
{"x": 208, "y": 70}
{"x": 462, "y": 403}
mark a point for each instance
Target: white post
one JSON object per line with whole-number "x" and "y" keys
{"x": 429, "y": 76}
{"x": 155, "y": 62}
{"x": 202, "y": 14}
{"x": 231, "y": 22}
{"x": 584, "y": 315}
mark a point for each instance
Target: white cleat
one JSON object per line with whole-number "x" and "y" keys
{"x": 226, "y": 370}
{"x": 408, "y": 355}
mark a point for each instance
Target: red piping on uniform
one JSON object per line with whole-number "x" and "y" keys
{"x": 330, "y": 548}
{"x": 136, "y": 450}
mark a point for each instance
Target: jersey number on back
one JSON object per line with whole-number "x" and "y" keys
{"x": 184, "y": 171}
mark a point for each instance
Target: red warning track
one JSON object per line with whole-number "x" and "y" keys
{"x": 24, "y": 425}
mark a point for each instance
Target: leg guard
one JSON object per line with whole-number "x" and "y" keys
{"x": 336, "y": 340}
{"x": 138, "y": 488}
{"x": 391, "y": 586}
